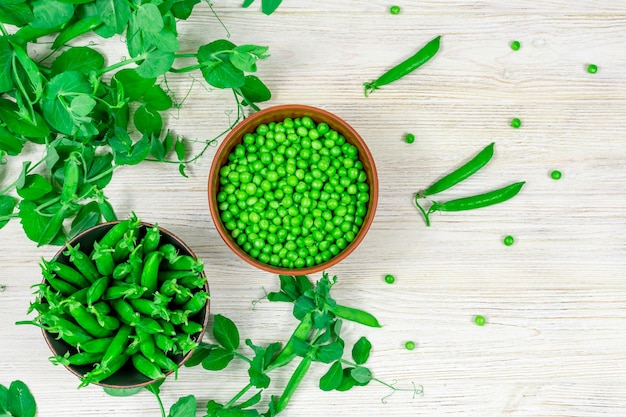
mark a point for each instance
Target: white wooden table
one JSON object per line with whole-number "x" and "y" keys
{"x": 555, "y": 304}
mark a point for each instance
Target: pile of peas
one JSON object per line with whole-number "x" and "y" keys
{"x": 294, "y": 194}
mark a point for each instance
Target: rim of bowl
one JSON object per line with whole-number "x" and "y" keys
{"x": 205, "y": 323}
{"x": 267, "y": 115}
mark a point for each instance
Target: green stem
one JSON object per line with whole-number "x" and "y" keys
{"x": 186, "y": 69}
{"x": 426, "y": 218}
{"x": 3, "y": 30}
{"x": 293, "y": 383}
{"x": 46, "y": 205}
{"x": 158, "y": 397}
{"x": 121, "y": 64}
{"x": 101, "y": 175}
{"x": 14, "y": 183}
{"x": 238, "y": 396}
{"x": 185, "y": 55}
{"x": 242, "y": 357}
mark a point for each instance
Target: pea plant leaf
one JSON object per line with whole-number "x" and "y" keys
{"x": 6, "y": 55}
{"x": 4, "y": 399}
{"x": 225, "y": 332}
{"x": 21, "y": 402}
{"x": 49, "y": 14}
{"x": 267, "y": 6}
{"x": 254, "y": 91}
{"x": 79, "y": 58}
{"x": 157, "y": 62}
{"x": 148, "y": 121}
{"x": 80, "y": 27}
{"x": 35, "y": 186}
{"x": 361, "y": 375}
{"x": 361, "y": 350}
{"x": 88, "y": 216}
{"x": 9, "y": 143}
{"x": 332, "y": 378}
{"x": 134, "y": 85}
{"x": 115, "y": 15}
{"x": 217, "y": 359}
{"x": 329, "y": 353}
{"x": 139, "y": 151}
{"x": 184, "y": 407}
{"x": 18, "y": 14}
{"x": 7, "y": 205}
{"x": 182, "y": 9}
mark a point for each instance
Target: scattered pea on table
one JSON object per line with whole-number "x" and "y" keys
{"x": 394, "y": 10}
{"x": 409, "y": 138}
{"x": 556, "y": 174}
{"x": 480, "y": 320}
{"x": 515, "y": 45}
{"x": 410, "y": 345}
{"x": 592, "y": 68}
{"x": 516, "y": 123}
{"x": 509, "y": 240}
{"x": 390, "y": 279}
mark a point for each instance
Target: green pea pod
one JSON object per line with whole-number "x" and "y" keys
{"x": 60, "y": 285}
{"x": 97, "y": 290}
{"x": 104, "y": 370}
{"x": 149, "y": 325}
{"x": 146, "y": 344}
{"x": 182, "y": 296}
{"x": 197, "y": 303}
{"x": 167, "y": 275}
{"x": 163, "y": 362}
{"x": 169, "y": 288}
{"x": 125, "y": 312}
{"x": 80, "y": 296}
{"x": 193, "y": 281}
{"x": 124, "y": 246}
{"x": 151, "y": 240}
{"x": 97, "y": 345}
{"x": 81, "y": 358}
{"x": 116, "y": 232}
{"x": 146, "y": 367}
{"x": 87, "y": 321}
{"x": 191, "y": 327}
{"x": 293, "y": 384}
{"x": 82, "y": 262}
{"x": 148, "y": 308}
{"x": 184, "y": 344}
{"x": 68, "y": 331}
{"x": 133, "y": 347}
{"x": 186, "y": 263}
{"x": 100, "y": 308}
{"x": 103, "y": 257}
{"x": 106, "y": 209}
{"x": 109, "y": 322}
{"x": 355, "y": 315}
{"x": 288, "y": 353}
{"x": 136, "y": 266}
{"x": 170, "y": 253}
{"x": 67, "y": 273}
{"x": 168, "y": 328}
{"x": 405, "y": 67}
{"x": 478, "y": 201}
{"x": 118, "y": 345}
{"x": 179, "y": 317}
{"x": 126, "y": 291}
{"x": 150, "y": 273}
{"x": 121, "y": 271}
{"x": 71, "y": 178}
{"x": 165, "y": 343}
{"x": 460, "y": 174}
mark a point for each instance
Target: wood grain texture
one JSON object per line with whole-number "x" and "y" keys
{"x": 553, "y": 345}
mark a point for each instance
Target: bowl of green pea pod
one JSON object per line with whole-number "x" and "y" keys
{"x": 293, "y": 189}
{"x": 123, "y": 304}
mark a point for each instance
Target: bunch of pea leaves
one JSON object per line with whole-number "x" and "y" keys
{"x": 86, "y": 117}
{"x": 316, "y": 339}
{"x": 17, "y": 400}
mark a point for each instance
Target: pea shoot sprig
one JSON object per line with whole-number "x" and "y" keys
{"x": 89, "y": 118}
{"x": 316, "y": 339}
{"x": 467, "y": 203}
{"x": 16, "y": 400}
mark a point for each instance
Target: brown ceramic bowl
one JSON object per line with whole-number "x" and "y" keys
{"x": 277, "y": 114}
{"x": 127, "y": 377}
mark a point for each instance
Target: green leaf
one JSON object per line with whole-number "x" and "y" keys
{"x": 156, "y": 63}
{"x": 231, "y": 412}
{"x": 7, "y": 205}
{"x": 184, "y": 407}
{"x": 18, "y": 14}
{"x": 247, "y": 3}
{"x": 9, "y": 142}
{"x": 157, "y": 99}
{"x": 361, "y": 375}
{"x": 88, "y": 216}
{"x": 21, "y": 402}
{"x": 29, "y": 69}
{"x": 182, "y": 9}
{"x": 80, "y": 58}
{"x": 147, "y": 121}
{"x": 361, "y": 350}
{"x": 115, "y": 15}
{"x": 332, "y": 378}
{"x": 59, "y": 92}
{"x": 35, "y": 186}
{"x": 138, "y": 153}
{"x": 157, "y": 149}
{"x": 279, "y": 296}
{"x": 269, "y": 6}
{"x": 179, "y": 148}
{"x": 250, "y": 401}
{"x": 218, "y": 359}
{"x": 122, "y": 392}
{"x": 215, "y": 51}
{"x": 223, "y": 74}
{"x": 9, "y": 114}
{"x": 321, "y": 320}
{"x": 245, "y": 57}
{"x": 4, "y": 399}
{"x": 165, "y": 40}
{"x": 82, "y": 105}
{"x": 225, "y": 332}
{"x": 254, "y": 91}
{"x": 347, "y": 381}
{"x": 289, "y": 287}
{"x": 329, "y": 353}
{"x": 201, "y": 352}
{"x": 149, "y": 18}
{"x": 300, "y": 347}
{"x": 76, "y": 29}
{"x": 135, "y": 86}
{"x": 51, "y": 13}
{"x": 6, "y": 56}
{"x": 155, "y": 387}
{"x": 302, "y": 306}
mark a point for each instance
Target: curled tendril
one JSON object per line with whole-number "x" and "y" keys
{"x": 259, "y": 300}
{"x": 218, "y": 18}
{"x": 2, "y": 287}
{"x": 415, "y": 390}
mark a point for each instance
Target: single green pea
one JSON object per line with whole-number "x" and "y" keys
{"x": 555, "y": 175}
{"x": 515, "y": 45}
{"x": 410, "y": 345}
{"x": 516, "y": 123}
{"x": 409, "y": 138}
{"x": 390, "y": 279}
{"x": 509, "y": 240}
{"x": 592, "y": 68}
{"x": 394, "y": 10}
{"x": 480, "y": 320}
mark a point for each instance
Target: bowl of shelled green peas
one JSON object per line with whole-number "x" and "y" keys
{"x": 293, "y": 189}
{"x": 122, "y": 304}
